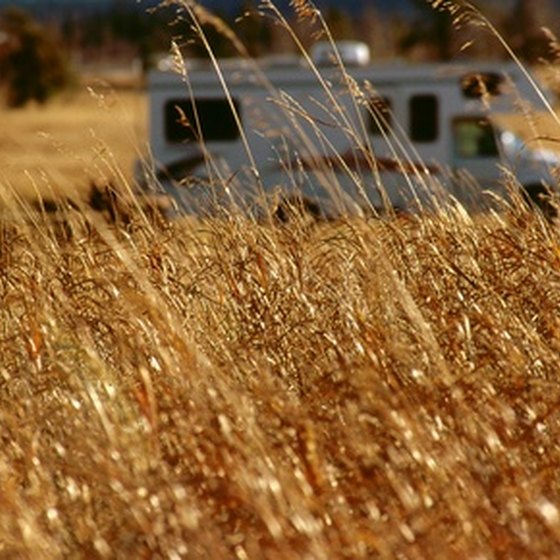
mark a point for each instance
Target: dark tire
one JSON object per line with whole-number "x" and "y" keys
{"x": 295, "y": 208}
{"x": 539, "y": 197}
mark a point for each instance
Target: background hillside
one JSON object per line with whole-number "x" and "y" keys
{"x": 225, "y": 6}
{"x": 232, "y": 6}
{"x": 116, "y": 38}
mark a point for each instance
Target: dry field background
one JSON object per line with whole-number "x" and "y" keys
{"x": 84, "y": 135}
{"x": 224, "y": 389}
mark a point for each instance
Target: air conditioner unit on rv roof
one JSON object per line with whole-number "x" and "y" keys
{"x": 352, "y": 53}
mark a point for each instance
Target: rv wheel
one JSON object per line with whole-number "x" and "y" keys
{"x": 296, "y": 208}
{"x": 540, "y": 197}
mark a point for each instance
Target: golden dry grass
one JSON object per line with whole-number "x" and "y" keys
{"x": 81, "y": 136}
{"x": 227, "y": 389}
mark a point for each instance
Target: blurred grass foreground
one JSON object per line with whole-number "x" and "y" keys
{"x": 229, "y": 390}
{"x": 224, "y": 388}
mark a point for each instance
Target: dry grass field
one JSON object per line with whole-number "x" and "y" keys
{"x": 233, "y": 390}
{"x": 215, "y": 389}
{"x": 84, "y": 135}
{"x": 224, "y": 389}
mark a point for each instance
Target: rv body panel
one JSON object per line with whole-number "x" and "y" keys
{"x": 381, "y": 134}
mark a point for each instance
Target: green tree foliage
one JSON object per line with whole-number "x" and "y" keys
{"x": 33, "y": 65}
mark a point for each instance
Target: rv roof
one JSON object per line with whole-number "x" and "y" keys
{"x": 276, "y": 66}
{"x": 289, "y": 72}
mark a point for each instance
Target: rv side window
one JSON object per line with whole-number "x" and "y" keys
{"x": 215, "y": 117}
{"x": 379, "y": 115}
{"x": 474, "y": 138}
{"x": 423, "y": 118}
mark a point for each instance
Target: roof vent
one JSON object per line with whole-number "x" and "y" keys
{"x": 352, "y": 53}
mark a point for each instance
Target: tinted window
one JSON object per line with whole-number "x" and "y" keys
{"x": 423, "y": 118}
{"x": 474, "y": 138}
{"x": 215, "y": 117}
{"x": 379, "y": 115}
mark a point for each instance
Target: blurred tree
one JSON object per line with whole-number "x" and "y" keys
{"x": 523, "y": 28}
{"x": 214, "y": 33}
{"x": 33, "y": 65}
{"x": 340, "y": 24}
{"x": 432, "y": 29}
{"x": 124, "y": 31}
{"x": 253, "y": 29}
{"x": 136, "y": 28}
{"x": 379, "y": 31}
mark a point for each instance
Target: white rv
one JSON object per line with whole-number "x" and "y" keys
{"x": 343, "y": 139}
